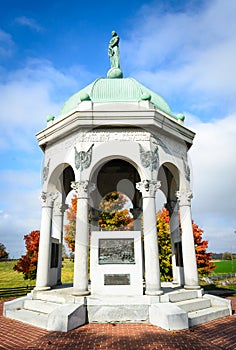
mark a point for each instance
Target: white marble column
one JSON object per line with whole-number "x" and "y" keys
{"x": 81, "y": 239}
{"x": 42, "y": 282}
{"x": 58, "y": 220}
{"x": 148, "y": 189}
{"x": 189, "y": 257}
{"x": 170, "y": 206}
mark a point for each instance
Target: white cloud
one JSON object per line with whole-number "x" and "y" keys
{"x": 29, "y": 22}
{"x": 27, "y": 96}
{"x": 6, "y": 44}
{"x": 213, "y": 162}
{"x": 189, "y": 54}
{"x": 20, "y": 209}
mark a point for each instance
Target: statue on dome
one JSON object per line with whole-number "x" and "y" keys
{"x": 113, "y": 50}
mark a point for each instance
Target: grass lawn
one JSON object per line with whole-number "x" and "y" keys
{"x": 10, "y": 278}
{"x": 67, "y": 271}
{"x": 225, "y": 266}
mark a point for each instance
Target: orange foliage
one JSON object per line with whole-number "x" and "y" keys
{"x": 27, "y": 264}
{"x": 113, "y": 216}
{"x": 70, "y": 227}
{"x": 204, "y": 263}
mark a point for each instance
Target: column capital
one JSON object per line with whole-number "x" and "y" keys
{"x": 148, "y": 188}
{"x": 83, "y": 188}
{"x": 59, "y": 208}
{"x": 184, "y": 198}
{"x": 48, "y": 198}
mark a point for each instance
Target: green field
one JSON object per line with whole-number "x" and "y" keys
{"x": 225, "y": 266}
{"x": 10, "y": 278}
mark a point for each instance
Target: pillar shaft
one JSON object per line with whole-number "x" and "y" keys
{"x": 81, "y": 239}
{"x": 43, "y": 269}
{"x": 152, "y": 268}
{"x": 175, "y": 237}
{"x": 189, "y": 256}
{"x": 58, "y": 220}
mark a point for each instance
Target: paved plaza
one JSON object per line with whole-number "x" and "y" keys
{"x": 219, "y": 334}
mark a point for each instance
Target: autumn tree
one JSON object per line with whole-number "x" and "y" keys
{"x": 27, "y": 264}
{"x": 164, "y": 244}
{"x": 114, "y": 216}
{"x": 204, "y": 259}
{"x": 3, "y": 252}
{"x": 70, "y": 227}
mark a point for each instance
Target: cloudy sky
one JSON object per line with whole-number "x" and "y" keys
{"x": 183, "y": 50}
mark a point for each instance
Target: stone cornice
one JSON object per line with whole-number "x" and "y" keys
{"x": 132, "y": 115}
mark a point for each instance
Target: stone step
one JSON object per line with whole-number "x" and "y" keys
{"x": 194, "y": 304}
{"x": 49, "y": 296}
{"x": 27, "y": 316}
{"x": 181, "y": 295}
{"x": 41, "y": 306}
{"x": 205, "y": 315}
{"x": 118, "y": 313}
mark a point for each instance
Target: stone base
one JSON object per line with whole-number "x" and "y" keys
{"x": 191, "y": 287}
{"x": 154, "y": 292}
{"x": 60, "y": 310}
{"x": 42, "y": 288}
{"x": 80, "y": 292}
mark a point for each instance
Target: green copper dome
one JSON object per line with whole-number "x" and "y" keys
{"x": 116, "y": 90}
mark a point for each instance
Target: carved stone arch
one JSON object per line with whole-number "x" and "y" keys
{"x": 61, "y": 178}
{"x": 115, "y": 174}
{"x": 109, "y": 174}
{"x": 169, "y": 175}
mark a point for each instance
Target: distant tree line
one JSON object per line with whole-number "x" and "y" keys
{"x": 223, "y": 256}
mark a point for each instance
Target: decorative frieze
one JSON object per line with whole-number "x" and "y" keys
{"x": 148, "y": 188}
{"x": 114, "y": 135}
{"x": 186, "y": 169}
{"x": 83, "y": 159}
{"x": 184, "y": 198}
{"x": 149, "y": 159}
{"x": 45, "y": 171}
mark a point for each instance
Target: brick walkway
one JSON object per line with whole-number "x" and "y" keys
{"x": 214, "y": 335}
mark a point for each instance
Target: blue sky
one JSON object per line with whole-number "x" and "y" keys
{"x": 183, "y": 50}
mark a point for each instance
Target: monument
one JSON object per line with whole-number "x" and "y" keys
{"x": 116, "y": 135}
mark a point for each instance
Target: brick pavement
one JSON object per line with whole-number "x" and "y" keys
{"x": 214, "y": 335}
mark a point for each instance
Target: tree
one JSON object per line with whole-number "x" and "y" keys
{"x": 204, "y": 259}
{"x": 164, "y": 244}
{"x": 113, "y": 214}
{"x": 70, "y": 227}
{"x": 27, "y": 264}
{"x": 3, "y": 252}
{"x": 226, "y": 256}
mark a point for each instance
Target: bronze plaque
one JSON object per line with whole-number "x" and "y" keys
{"x": 117, "y": 280}
{"x": 116, "y": 251}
